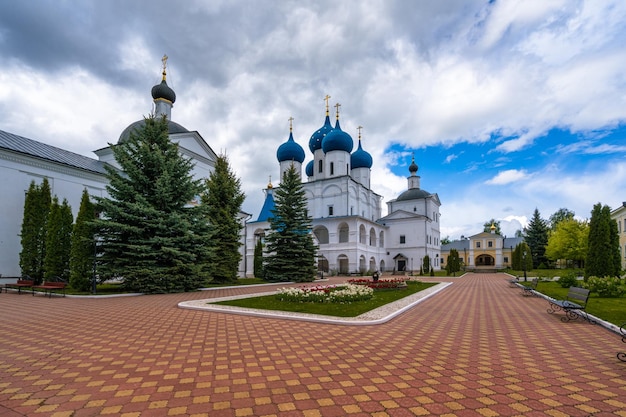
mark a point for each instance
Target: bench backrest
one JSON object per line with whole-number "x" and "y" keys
{"x": 54, "y": 284}
{"x": 25, "y": 282}
{"x": 578, "y": 294}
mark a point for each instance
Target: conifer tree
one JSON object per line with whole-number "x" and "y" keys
{"x": 223, "y": 199}
{"x": 149, "y": 234}
{"x": 537, "y": 239}
{"x": 454, "y": 264}
{"x": 33, "y": 231}
{"x": 58, "y": 241}
{"x": 492, "y": 222}
{"x": 289, "y": 246}
{"x": 603, "y": 244}
{"x": 83, "y": 240}
{"x": 258, "y": 259}
{"x": 426, "y": 264}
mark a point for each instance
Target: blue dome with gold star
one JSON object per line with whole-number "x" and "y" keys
{"x": 315, "y": 142}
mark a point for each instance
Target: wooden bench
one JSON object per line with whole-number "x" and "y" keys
{"x": 21, "y": 283}
{"x": 529, "y": 289}
{"x": 49, "y": 287}
{"x": 573, "y": 306}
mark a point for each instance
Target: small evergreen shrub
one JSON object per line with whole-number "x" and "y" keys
{"x": 605, "y": 287}
{"x": 568, "y": 280}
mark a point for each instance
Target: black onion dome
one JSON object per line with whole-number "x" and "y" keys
{"x": 172, "y": 127}
{"x": 163, "y": 91}
{"x": 413, "y": 167}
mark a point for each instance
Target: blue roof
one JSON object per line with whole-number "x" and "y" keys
{"x": 290, "y": 151}
{"x": 309, "y": 169}
{"x": 360, "y": 158}
{"x": 337, "y": 140}
{"x": 315, "y": 142}
{"x": 26, "y": 146}
{"x": 267, "y": 211}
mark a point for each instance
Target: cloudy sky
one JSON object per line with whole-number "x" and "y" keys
{"x": 507, "y": 106}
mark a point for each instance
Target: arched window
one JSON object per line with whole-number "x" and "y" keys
{"x": 344, "y": 233}
{"x": 362, "y": 235}
{"x": 381, "y": 239}
{"x": 372, "y": 237}
{"x": 321, "y": 233}
{"x": 320, "y": 166}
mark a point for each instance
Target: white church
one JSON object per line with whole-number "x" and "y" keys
{"x": 348, "y": 225}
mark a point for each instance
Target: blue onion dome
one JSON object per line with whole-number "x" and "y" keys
{"x": 290, "y": 151}
{"x": 360, "y": 158}
{"x": 315, "y": 142}
{"x": 337, "y": 140}
{"x": 309, "y": 169}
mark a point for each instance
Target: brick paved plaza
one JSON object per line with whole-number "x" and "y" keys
{"x": 477, "y": 348}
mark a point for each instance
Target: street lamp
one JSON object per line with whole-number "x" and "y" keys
{"x": 525, "y": 278}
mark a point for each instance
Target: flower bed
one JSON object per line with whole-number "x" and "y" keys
{"x": 325, "y": 294}
{"x": 381, "y": 284}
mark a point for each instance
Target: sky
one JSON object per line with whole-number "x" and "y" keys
{"x": 507, "y": 106}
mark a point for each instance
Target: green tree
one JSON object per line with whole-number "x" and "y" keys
{"x": 559, "y": 216}
{"x": 426, "y": 264}
{"x": 521, "y": 255}
{"x": 224, "y": 198}
{"x": 445, "y": 240}
{"x": 83, "y": 241}
{"x": 454, "y": 263}
{"x": 492, "y": 222}
{"x": 289, "y": 245}
{"x": 537, "y": 239}
{"x": 33, "y": 231}
{"x": 149, "y": 234}
{"x": 568, "y": 241}
{"x": 258, "y": 259}
{"x": 603, "y": 245}
{"x": 58, "y": 240}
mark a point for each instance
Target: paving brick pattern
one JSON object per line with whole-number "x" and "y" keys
{"x": 478, "y": 348}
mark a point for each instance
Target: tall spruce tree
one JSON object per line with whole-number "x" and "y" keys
{"x": 82, "y": 254}
{"x": 149, "y": 234}
{"x": 223, "y": 199}
{"x": 33, "y": 231}
{"x": 58, "y": 241}
{"x": 537, "y": 239}
{"x": 289, "y": 245}
{"x": 603, "y": 244}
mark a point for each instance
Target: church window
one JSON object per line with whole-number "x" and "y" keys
{"x": 478, "y": 244}
{"x": 344, "y": 233}
{"x": 330, "y": 210}
{"x": 490, "y": 244}
{"x": 414, "y": 209}
{"x": 402, "y": 239}
{"x": 332, "y": 168}
{"x": 320, "y": 165}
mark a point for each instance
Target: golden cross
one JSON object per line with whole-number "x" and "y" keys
{"x": 337, "y": 107}
{"x": 326, "y": 100}
{"x": 164, "y": 61}
{"x": 359, "y": 129}
{"x": 291, "y": 124}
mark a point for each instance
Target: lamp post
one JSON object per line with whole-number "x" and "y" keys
{"x": 525, "y": 278}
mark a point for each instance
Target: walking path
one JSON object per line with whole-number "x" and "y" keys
{"x": 477, "y": 348}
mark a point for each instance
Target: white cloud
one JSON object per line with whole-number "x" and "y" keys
{"x": 507, "y": 177}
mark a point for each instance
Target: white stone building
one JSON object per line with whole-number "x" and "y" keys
{"x": 349, "y": 229}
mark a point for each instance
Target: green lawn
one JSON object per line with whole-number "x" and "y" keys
{"x": 612, "y": 310}
{"x": 380, "y": 298}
